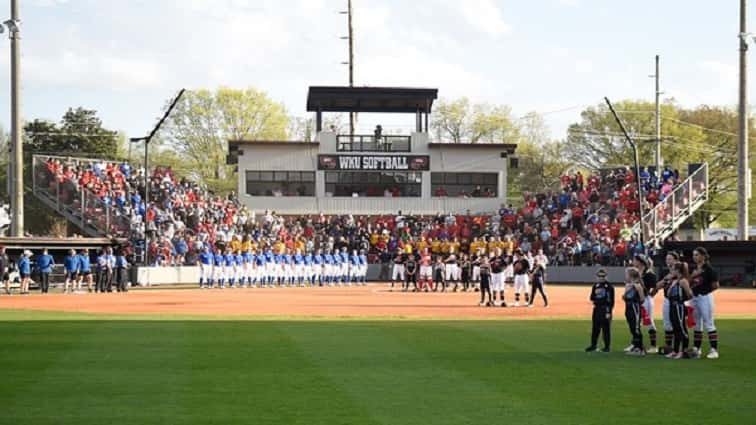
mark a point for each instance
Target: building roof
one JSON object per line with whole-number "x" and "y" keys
{"x": 370, "y": 99}
{"x": 508, "y": 147}
{"x": 292, "y": 143}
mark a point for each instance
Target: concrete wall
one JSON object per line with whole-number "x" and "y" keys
{"x": 190, "y": 275}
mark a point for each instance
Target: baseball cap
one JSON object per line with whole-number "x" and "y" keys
{"x": 601, "y": 273}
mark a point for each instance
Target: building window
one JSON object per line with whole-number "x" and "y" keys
{"x": 472, "y": 185}
{"x": 373, "y": 184}
{"x": 280, "y": 183}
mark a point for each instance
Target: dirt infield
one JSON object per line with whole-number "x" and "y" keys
{"x": 374, "y": 301}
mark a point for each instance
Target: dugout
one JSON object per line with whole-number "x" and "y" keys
{"x": 735, "y": 261}
{"x": 371, "y": 173}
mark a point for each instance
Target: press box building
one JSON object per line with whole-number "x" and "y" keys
{"x": 371, "y": 174}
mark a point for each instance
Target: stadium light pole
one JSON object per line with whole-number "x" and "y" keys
{"x": 16, "y": 174}
{"x": 147, "y": 139}
{"x": 637, "y": 167}
{"x": 744, "y": 181}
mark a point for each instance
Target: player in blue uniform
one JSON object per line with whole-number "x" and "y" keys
{"x": 260, "y": 269}
{"x": 354, "y": 268}
{"x": 205, "y": 262}
{"x": 298, "y": 270}
{"x": 328, "y": 269}
{"x": 249, "y": 268}
{"x": 45, "y": 263}
{"x": 218, "y": 263}
{"x": 345, "y": 266}
{"x": 240, "y": 269}
{"x": 308, "y": 269}
{"x": 336, "y": 273}
{"x": 317, "y": 268}
{"x": 363, "y": 268}
{"x": 229, "y": 266}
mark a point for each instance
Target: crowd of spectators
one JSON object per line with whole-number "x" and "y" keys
{"x": 589, "y": 221}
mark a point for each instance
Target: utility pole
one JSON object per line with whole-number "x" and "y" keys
{"x": 658, "y": 121}
{"x": 743, "y": 183}
{"x": 352, "y": 117}
{"x": 17, "y": 198}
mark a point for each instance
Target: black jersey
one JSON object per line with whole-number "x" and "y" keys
{"x": 410, "y": 265}
{"x": 399, "y": 259}
{"x": 602, "y": 294}
{"x": 497, "y": 265}
{"x": 702, "y": 283}
{"x": 524, "y": 266}
{"x": 631, "y": 294}
{"x": 649, "y": 281}
{"x": 485, "y": 268}
{"x": 674, "y": 292}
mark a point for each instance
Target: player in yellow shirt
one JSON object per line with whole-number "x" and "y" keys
{"x": 507, "y": 246}
{"x": 435, "y": 246}
{"x": 492, "y": 244}
{"x": 421, "y": 244}
{"x": 445, "y": 247}
{"x": 454, "y": 246}
{"x": 235, "y": 244}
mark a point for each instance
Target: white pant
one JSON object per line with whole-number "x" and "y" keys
{"x": 648, "y": 305}
{"x": 452, "y": 272}
{"x": 497, "y": 282}
{"x": 475, "y": 273}
{"x": 299, "y": 270}
{"x": 317, "y": 270}
{"x": 703, "y": 309}
{"x": 218, "y": 273}
{"x": 397, "y": 273}
{"x": 426, "y": 272}
{"x": 521, "y": 284}
{"x": 205, "y": 272}
{"x": 666, "y": 317}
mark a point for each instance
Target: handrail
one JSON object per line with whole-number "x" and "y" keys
{"x": 369, "y": 143}
{"x": 675, "y": 208}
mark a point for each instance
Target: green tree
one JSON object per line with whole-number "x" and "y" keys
{"x": 493, "y": 124}
{"x": 203, "y": 122}
{"x": 451, "y": 120}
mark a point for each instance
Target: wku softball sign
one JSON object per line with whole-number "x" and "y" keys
{"x": 374, "y": 162}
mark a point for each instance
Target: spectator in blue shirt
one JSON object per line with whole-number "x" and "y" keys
{"x": 45, "y": 263}
{"x": 71, "y": 268}
{"x": 85, "y": 269}
{"x": 24, "y": 270}
{"x": 121, "y": 264}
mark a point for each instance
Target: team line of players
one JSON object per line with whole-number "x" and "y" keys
{"x": 291, "y": 268}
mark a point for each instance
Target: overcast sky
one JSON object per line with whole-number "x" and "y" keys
{"x": 124, "y": 58}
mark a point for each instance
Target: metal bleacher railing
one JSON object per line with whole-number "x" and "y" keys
{"x": 678, "y": 206}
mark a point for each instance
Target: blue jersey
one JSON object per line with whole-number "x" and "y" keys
{"x": 45, "y": 263}
{"x": 328, "y": 259}
{"x": 24, "y": 265}
{"x": 298, "y": 260}
{"x": 269, "y": 257}
{"x": 230, "y": 260}
{"x": 287, "y": 259}
{"x": 85, "y": 265}
{"x": 71, "y": 263}
{"x": 261, "y": 259}
{"x": 354, "y": 260}
{"x": 317, "y": 260}
{"x": 218, "y": 258}
{"x": 102, "y": 262}
{"x": 206, "y": 258}
{"x": 239, "y": 259}
{"x": 337, "y": 259}
{"x": 344, "y": 257}
{"x": 278, "y": 259}
{"x": 249, "y": 257}
{"x": 363, "y": 259}
{"x": 308, "y": 259}
{"x": 120, "y": 262}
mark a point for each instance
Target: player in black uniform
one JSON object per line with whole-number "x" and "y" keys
{"x": 602, "y": 297}
{"x": 410, "y": 273}
{"x": 466, "y": 268}
{"x": 497, "y": 277}
{"x": 5, "y": 270}
{"x": 704, "y": 280}
{"x": 539, "y": 279}
{"x": 677, "y": 292}
{"x": 521, "y": 278}
{"x": 438, "y": 275}
{"x": 633, "y": 297}
{"x": 649, "y": 279}
{"x": 485, "y": 282}
{"x": 397, "y": 272}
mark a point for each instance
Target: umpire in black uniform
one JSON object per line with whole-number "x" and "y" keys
{"x": 602, "y": 297}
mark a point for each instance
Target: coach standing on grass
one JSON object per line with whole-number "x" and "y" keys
{"x": 602, "y": 297}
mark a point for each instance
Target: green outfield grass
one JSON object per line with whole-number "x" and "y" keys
{"x": 72, "y": 371}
